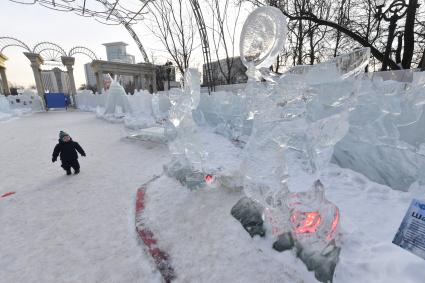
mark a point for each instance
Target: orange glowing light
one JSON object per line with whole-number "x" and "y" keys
{"x": 306, "y": 222}
{"x": 209, "y": 179}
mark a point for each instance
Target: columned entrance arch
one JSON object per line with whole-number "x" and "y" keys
{"x": 42, "y": 52}
{"x": 144, "y": 74}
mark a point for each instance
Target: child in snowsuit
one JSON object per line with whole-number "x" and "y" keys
{"x": 67, "y": 148}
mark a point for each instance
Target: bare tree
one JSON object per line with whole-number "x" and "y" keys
{"x": 223, "y": 30}
{"x": 173, "y": 24}
{"x": 354, "y": 23}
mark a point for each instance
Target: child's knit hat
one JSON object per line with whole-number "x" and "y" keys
{"x": 62, "y": 134}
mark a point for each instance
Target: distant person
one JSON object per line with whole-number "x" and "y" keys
{"x": 67, "y": 148}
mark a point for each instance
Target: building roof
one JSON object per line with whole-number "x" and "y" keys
{"x": 115, "y": 43}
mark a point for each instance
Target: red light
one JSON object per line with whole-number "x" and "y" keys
{"x": 306, "y": 222}
{"x": 333, "y": 226}
{"x": 209, "y": 179}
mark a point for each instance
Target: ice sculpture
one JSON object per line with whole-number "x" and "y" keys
{"x": 347, "y": 65}
{"x": 187, "y": 154}
{"x": 142, "y": 116}
{"x": 297, "y": 122}
{"x": 161, "y": 105}
{"x": 117, "y": 105}
{"x": 262, "y": 38}
{"x": 225, "y": 112}
{"x": 386, "y": 138}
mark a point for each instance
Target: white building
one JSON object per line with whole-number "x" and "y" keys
{"x": 117, "y": 52}
{"x": 55, "y": 80}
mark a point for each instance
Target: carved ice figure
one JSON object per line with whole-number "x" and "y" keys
{"x": 117, "y": 104}
{"x": 295, "y": 128}
{"x": 187, "y": 153}
{"x": 298, "y": 118}
{"x": 262, "y": 38}
{"x": 186, "y": 143}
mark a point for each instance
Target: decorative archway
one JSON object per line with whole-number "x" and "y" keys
{"x": 42, "y": 52}
{"x": 49, "y": 51}
{"x": 82, "y": 50}
{"x": 6, "y": 42}
{"x": 117, "y": 13}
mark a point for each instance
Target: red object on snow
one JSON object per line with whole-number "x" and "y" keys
{"x": 209, "y": 179}
{"x": 7, "y": 194}
{"x": 161, "y": 258}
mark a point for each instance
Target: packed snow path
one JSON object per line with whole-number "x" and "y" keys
{"x": 77, "y": 228}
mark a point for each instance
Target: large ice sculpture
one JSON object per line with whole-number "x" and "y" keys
{"x": 295, "y": 128}
{"x": 297, "y": 122}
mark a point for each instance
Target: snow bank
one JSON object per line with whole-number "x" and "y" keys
{"x": 18, "y": 105}
{"x": 28, "y": 100}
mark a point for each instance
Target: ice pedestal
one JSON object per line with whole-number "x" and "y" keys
{"x": 153, "y": 134}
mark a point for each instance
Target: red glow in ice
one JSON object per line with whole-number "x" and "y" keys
{"x": 306, "y": 222}
{"x": 7, "y": 194}
{"x": 209, "y": 179}
{"x": 333, "y": 226}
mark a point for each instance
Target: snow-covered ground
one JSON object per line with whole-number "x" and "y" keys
{"x": 59, "y": 228}
{"x": 207, "y": 244}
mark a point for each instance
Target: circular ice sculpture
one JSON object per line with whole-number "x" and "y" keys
{"x": 263, "y": 37}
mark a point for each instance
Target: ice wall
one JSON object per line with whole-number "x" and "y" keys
{"x": 386, "y": 137}
{"x": 5, "y": 111}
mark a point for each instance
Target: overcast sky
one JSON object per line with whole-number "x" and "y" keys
{"x": 34, "y": 23}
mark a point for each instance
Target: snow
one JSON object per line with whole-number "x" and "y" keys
{"x": 207, "y": 244}
{"x": 212, "y": 246}
{"x": 59, "y": 228}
